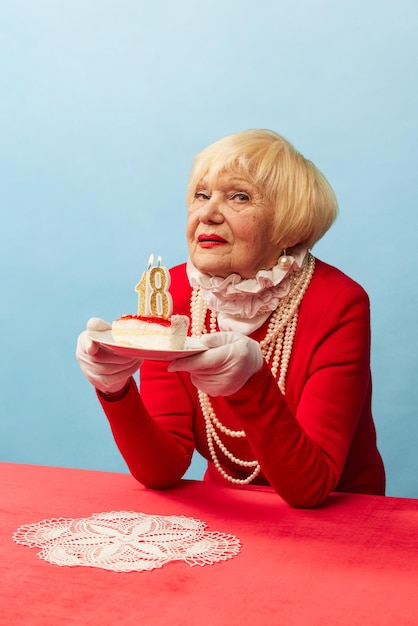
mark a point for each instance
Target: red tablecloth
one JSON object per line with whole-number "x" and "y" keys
{"x": 352, "y": 561}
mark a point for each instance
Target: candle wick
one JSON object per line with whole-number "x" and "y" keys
{"x": 159, "y": 261}
{"x": 150, "y": 260}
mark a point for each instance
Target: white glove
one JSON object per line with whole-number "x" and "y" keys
{"x": 107, "y": 371}
{"x": 221, "y": 371}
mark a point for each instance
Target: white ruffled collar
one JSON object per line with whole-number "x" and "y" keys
{"x": 244, "y": 305}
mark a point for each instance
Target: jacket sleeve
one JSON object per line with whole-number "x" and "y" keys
{"x": 302, "y": 451}
{"x": 157, "y": 445}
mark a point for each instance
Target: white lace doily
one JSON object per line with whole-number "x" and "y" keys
{"x": 127, "y": 541}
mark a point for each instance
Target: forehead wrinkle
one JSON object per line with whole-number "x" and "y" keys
{"x": 235, "y": 183}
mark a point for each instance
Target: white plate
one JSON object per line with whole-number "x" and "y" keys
{"x": 105, "y": 338}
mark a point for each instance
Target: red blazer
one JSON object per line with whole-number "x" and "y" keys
{"x": 319, "y": 437}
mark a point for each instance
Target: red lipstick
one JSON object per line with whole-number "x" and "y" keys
{"x": 210, "y": 240}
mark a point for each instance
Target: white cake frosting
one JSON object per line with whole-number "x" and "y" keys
{"x": 151, "y": 333}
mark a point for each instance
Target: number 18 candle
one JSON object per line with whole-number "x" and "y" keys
{"x": 154, "y": 299}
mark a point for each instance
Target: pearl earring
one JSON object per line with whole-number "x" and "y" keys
{"x": 285, "y": 261}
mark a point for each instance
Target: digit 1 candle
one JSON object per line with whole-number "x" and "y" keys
{"x": 154, "y": 298}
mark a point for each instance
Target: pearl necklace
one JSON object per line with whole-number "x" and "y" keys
{"x": 276, "y": 348}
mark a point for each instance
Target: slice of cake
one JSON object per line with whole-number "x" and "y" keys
{"x": 153, "y": 333}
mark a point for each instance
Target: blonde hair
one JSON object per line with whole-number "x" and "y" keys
{"x": 303, "y": 201}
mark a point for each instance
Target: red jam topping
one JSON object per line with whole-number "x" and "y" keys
{"x": 149, "y": 320}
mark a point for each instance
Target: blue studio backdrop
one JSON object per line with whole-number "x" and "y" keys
{"x": 104, "y": 104}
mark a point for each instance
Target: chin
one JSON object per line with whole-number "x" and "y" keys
{"x": 212, "y": 269}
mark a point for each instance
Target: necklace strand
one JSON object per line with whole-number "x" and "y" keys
{"x": 276, "y": 348}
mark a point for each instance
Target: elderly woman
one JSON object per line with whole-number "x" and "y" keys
{"x": 283, "y": 395}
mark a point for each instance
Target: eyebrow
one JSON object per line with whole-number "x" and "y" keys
{"x": 233, "y": 182}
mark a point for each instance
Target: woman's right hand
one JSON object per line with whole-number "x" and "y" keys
{"x": 107, "y": 371}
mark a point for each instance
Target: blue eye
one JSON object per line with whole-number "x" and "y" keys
{"x": 240, "y": 196}
{"x": 201, "y": 195}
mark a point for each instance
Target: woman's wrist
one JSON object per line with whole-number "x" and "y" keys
{"x": 114, "y": 396}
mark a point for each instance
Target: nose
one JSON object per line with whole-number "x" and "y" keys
{"x": 211, "y": 211}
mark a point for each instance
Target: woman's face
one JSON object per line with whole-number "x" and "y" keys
{"x": 229, "y": 229}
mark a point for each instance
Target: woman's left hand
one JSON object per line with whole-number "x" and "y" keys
{"x": 221, "y": 371}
